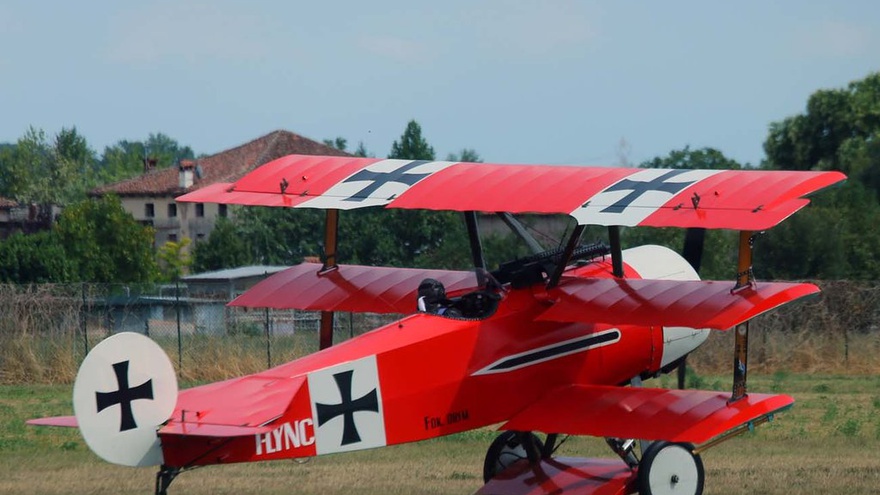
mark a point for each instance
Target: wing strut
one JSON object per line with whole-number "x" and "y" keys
{"x": 744, "y": 281}
{"x": 616, "y": 251}
{"x": 331, "y": 234}
{"x": 573, "y": 242}
{"x": 470, "y": 220}
{"x": 517, "y": 228}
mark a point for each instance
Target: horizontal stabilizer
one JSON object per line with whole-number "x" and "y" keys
{"x": 214, "y": 431}
{"x": 354, "y": 288}
{"x": 65, "y": 421}
{"x": 650, "y": 414}
{"x": 237, "y": 407}
{"x": 691, "y": 303}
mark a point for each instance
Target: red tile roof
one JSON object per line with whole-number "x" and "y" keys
{"x": 226, "y": 166}
{"x": 6, "y": 203}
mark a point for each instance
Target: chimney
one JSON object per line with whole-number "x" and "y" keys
{"x": 187, "y": 171}
{"x": 149, "y": 164}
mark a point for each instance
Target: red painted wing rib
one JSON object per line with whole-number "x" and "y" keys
{"x": 352, "y": 288}
{"x": 651, "y": 414}
{"x": 731, "y": 199}
{"x": 693, "y": 303}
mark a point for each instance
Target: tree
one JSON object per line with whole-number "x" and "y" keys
{"x": 840, "y": 130}
{"x": 174, "y": 259}
{"x": 465, "y": 155}
{"x": 412, "y": 145}
{"x": 226, "y": 247}
{"x": 834, "y": 119}
{"x": 361, "y": 150}
{"x": 105, "y": 243}
{"x": 339, "y": 143}
{"x": 35, "y": 258}
{"x": 125, "y": 159}
{"x": 686, "y": 158}
{"x": 35, "y": 171}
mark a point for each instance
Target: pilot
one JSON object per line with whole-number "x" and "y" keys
{"x": 432, "y": 298}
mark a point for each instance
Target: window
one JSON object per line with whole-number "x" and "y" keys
{"x": 172, "y": 237}
{"x": 172, "y": 210}
{"x": 200, "y": 209}
{"x": 149, "y": 210}
{"x": 221, "y": 210}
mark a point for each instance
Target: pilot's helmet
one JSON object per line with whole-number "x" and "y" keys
{"x": 432, "y": 291}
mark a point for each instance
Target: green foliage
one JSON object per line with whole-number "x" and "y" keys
{"x": 105, "y": 243}
{"x": 850, "y": 428}
{"x": 35, "y": 258}
{"x": 226, "y": 247}
{"x": 835, "y": 120}
{"x": 339, "y": 143}
{"x": 465, "y": 155}
{"x": 125, "y": 159}
{"x": 412, "y": 146}
{"x": 361, "y": 150}
{"x": 35, "y": 171}
{"x": 686, "y": 158}
{"x": 828, "y": 240}
{"x": 174, "y": 259}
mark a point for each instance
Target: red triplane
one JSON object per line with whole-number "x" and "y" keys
{"x": 557, "y": 342}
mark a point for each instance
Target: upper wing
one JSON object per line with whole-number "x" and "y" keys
{"x": 649, "y": 414}
{"x": 348, "y": 288}
{"x": 731, "y": 199}
{"x": 686, "y": 303}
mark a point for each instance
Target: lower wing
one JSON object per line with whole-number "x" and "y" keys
{"x": 693, "y": 416}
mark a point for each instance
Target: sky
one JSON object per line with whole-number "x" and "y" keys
{"x": 557, "y": 82}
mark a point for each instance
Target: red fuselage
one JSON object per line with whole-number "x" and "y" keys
{"x": 421, "y": 377}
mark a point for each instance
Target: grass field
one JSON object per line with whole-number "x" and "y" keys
{"x": 828, "y": 443}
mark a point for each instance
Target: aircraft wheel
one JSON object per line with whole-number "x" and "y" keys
{"x": 506, "y": 449}
{"x": 670, "y": 469}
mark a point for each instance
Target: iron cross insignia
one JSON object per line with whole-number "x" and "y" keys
{"x": 347, "y": 407}
{"x": 124, "y": 396}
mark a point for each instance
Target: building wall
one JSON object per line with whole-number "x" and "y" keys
{"x": 174, "y": 221}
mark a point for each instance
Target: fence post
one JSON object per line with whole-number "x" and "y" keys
{"x": 83, "y": 320}
{"x": 268, "y": 342}
{"x": 177, "y": 310}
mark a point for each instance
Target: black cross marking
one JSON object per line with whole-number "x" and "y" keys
{"x": 381, "y": 178}
{"x": 326, "y": 412}
{"x": 638, "y": 188}
{"x": 124, "y": 396}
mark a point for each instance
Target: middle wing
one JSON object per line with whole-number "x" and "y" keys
{"x": 355, "y": 288}
{"x": 685, "y": 303}
{"x": 714, "y": 199}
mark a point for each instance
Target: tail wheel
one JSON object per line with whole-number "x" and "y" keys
{"x": 670, "y": 469}
{"x": 507, "y": 448}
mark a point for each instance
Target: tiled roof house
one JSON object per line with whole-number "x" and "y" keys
{"x": 150, "y": 197}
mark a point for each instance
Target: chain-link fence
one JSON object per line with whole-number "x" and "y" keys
{"x": 46, "y": 330}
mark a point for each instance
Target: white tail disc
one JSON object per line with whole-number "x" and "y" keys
{"x": 125, "y": 389}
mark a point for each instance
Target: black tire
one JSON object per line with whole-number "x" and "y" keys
{"x": 670, "y": 469}
{"x": 506, "y": 449}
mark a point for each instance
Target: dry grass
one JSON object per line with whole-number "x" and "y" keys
{"x": 828, "y": 443}
{"x": 41, "y": 338}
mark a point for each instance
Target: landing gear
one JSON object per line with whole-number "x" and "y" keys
{"x": 509, "y": 447}
{"x": 670, "y": 469}
{"x": 164, "y": 478}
